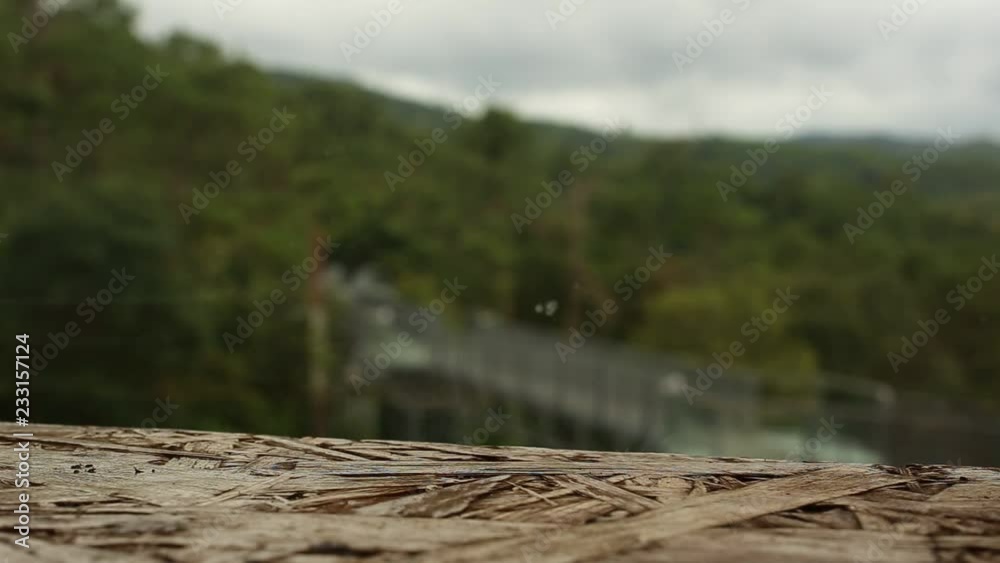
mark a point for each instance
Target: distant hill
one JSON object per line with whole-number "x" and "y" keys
{"x": 422, "y": 117}
{"x": 970, "y": 167}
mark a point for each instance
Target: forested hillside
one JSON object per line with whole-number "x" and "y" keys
{"x": 137, "y": 202}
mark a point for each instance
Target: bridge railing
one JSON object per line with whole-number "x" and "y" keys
{"x": 638, "y": 399}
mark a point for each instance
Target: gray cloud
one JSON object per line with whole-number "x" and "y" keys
{"x": 615, "y": 59}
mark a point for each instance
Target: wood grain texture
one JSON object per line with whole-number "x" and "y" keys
{"x": 182, "y": 496}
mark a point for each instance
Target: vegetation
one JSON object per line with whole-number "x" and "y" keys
{"x": 141, "y": 202}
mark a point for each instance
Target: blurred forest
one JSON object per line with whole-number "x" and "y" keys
{"x": 120, "y": 208}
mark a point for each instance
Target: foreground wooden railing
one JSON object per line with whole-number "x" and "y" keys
{"x": 120, "y": 494}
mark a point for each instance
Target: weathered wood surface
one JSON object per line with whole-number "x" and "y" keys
{"x": 170, "y": 495}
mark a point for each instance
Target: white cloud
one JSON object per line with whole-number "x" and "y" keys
{"x": 614, "y": 58}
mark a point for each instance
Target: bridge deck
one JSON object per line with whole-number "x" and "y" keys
{"x": 117, "y": 494}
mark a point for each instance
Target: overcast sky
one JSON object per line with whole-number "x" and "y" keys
{"x": 617, "y": 59}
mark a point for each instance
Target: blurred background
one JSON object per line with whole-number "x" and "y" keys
{"x": 744, "y": 228}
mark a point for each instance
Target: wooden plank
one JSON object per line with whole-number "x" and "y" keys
{"x": 721, "y": 545}
{"x": 615, "y": 496}
{"x": 189, "y": 532}
{"x": 116, "y": 494}
{"x": 438, "y": 503}
{"x": 596, "y": 541}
